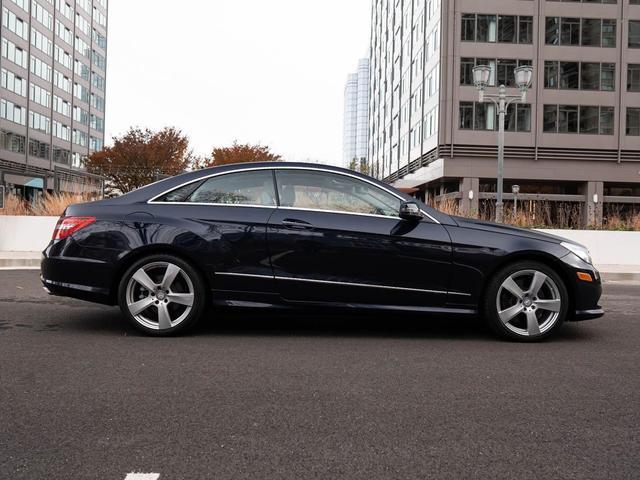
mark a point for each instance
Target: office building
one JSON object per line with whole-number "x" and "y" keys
{"x": 52, "y": 96}
{"x": 576, "y": 140}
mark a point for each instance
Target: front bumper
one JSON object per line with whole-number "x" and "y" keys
{"x": 587, "y": 314}
{"x": 586, "y": 295}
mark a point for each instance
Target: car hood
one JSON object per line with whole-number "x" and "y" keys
{"x": 507, "y": 229}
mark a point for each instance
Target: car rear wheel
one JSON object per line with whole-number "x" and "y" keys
{"x": 162, "y": 295}
{"x": 526, "y": 301}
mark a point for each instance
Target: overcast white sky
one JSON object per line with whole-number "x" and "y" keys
{"x": 268, "y": 71}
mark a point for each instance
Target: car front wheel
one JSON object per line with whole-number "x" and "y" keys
{"x": 526, "y": 301}
{"x": 161, "y": 295}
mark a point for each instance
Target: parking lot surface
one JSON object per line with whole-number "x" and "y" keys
{"x": 299, "y": 395}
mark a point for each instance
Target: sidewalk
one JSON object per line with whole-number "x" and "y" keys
{"x": 31, "y": 260}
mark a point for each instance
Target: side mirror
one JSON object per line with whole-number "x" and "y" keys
{"x": 410, "y": 211}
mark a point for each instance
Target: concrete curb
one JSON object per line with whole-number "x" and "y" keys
{"x": 34, "y": 264}
{"x": 19, "y": 263}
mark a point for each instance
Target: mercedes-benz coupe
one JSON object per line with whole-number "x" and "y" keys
{"x": 295, "y": 235}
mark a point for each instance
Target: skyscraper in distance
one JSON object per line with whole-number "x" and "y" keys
{"x": 356, "y": 118}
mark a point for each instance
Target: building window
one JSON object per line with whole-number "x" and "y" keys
{"x": 507, "y": 28}
{"x": 525, "y": 29}
{"x": 39, "y": 122}
{"x": 42, "y": 15}
{"x": 61, "y": 131}
{"x": 633, "y": 77}
{"x": 40, "y": 68}
{"x": 40, "y": 95}
{"x": 14, "y": 53}
{"x": 574, "y": 75}
{"x": 550, "y": 118}
{"x": 13, "y": 83}
{"x": 466, "y": 116}
{"x": 466, "y": 71}
{"x": 15, "y": 24}
{"x": 494, "y": 28}
{"x": 609, "y": 33}
{"x": 590, "y": 76}
{"x": 568, "y": 31}
{"x": 592, "y": 120}
{"x": 633, "y": 122}
{"x": 505, "y": 75}
{"x": 60, "y": 155}
{"x": 41, "y": 42}
{"x": 502, "y": 70}
{"x": 38, "y": 149}
{"x": 12, "y": 112}
{"x": 486, "y": 27}
{"x": 569, "y": 75}
{"x": 591, "y": 32}
{"x": 568, "y": 119}
{"x": 551, "y": 73}
{"x": 606, "y": 120}
{"x": 468, "y": 27}
{"x": 634, "y": 33}
{"x": 484, "y": 116}
{"x": 607, "y": 77}
{"x": 12, "y": 141}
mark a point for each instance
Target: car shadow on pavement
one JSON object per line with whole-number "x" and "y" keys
{"x": 287, "y": 324}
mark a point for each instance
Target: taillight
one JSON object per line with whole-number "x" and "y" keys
{"x": 69, "y": 225}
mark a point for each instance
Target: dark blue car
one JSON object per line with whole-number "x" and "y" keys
{"x": 303, "y": 235}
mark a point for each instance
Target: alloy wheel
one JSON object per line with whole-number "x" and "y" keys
{"x": 160, "y": 295}
{"x": 529, "y": 302}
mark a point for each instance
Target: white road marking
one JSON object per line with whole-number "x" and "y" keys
{"x": 142, "y": 476}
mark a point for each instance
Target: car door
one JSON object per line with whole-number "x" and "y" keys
{"x": 338, "y": 238}
{"x": 223, "y": 219}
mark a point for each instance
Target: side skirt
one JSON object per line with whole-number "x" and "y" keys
{"x": 273, "y": 301}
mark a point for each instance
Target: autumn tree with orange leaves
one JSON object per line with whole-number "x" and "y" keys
{"x": 237, "y": 153}
{"x": 140, "y": 157}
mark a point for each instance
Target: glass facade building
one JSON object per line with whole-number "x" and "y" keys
{"x": 52, "y": 95}
{"x": 575, "y": 139}
{"x": 356, "y": 116}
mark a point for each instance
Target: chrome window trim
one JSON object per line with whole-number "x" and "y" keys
{"x": 368, "y": 285}
{"x": 313, "y": 169}
{"x": 217, "y": 204}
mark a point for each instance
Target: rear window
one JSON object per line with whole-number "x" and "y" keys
{"x": 241, "y": 188}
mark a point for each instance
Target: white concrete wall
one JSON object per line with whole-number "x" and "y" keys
{"x": 25, "y": 234}
{"x": 606, "y": 247}
{"x": 32, "y": 234}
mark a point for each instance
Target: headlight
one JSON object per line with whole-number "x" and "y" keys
{"x": 581, "y": 252}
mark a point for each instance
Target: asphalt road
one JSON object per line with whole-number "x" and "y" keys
{"x": 83, "y": 396}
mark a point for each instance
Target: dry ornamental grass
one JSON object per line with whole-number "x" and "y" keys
{"x": 50, "y": 205}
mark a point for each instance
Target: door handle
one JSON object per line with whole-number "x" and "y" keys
{"x": 297, "y": 224}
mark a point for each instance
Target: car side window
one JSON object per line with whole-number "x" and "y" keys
{"x": 241, "y": 188}
{"x": 307, "y": 189}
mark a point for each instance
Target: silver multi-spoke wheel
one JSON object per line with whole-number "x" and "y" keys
{"x": 160, "y": 295}
{"x": 529, "y": 302}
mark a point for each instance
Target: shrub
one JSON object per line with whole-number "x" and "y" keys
{"x": 49, "y": 205}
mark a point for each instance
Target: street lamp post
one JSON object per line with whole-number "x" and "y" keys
{"x": 481, "y": 76}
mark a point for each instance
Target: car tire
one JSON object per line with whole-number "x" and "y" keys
{"x": 162, "y": 295}
{"x": 526, "y": 301}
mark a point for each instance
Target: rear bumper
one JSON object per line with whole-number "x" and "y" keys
{"x": 76, "y": 276}
{"x": 81, "y": 292}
